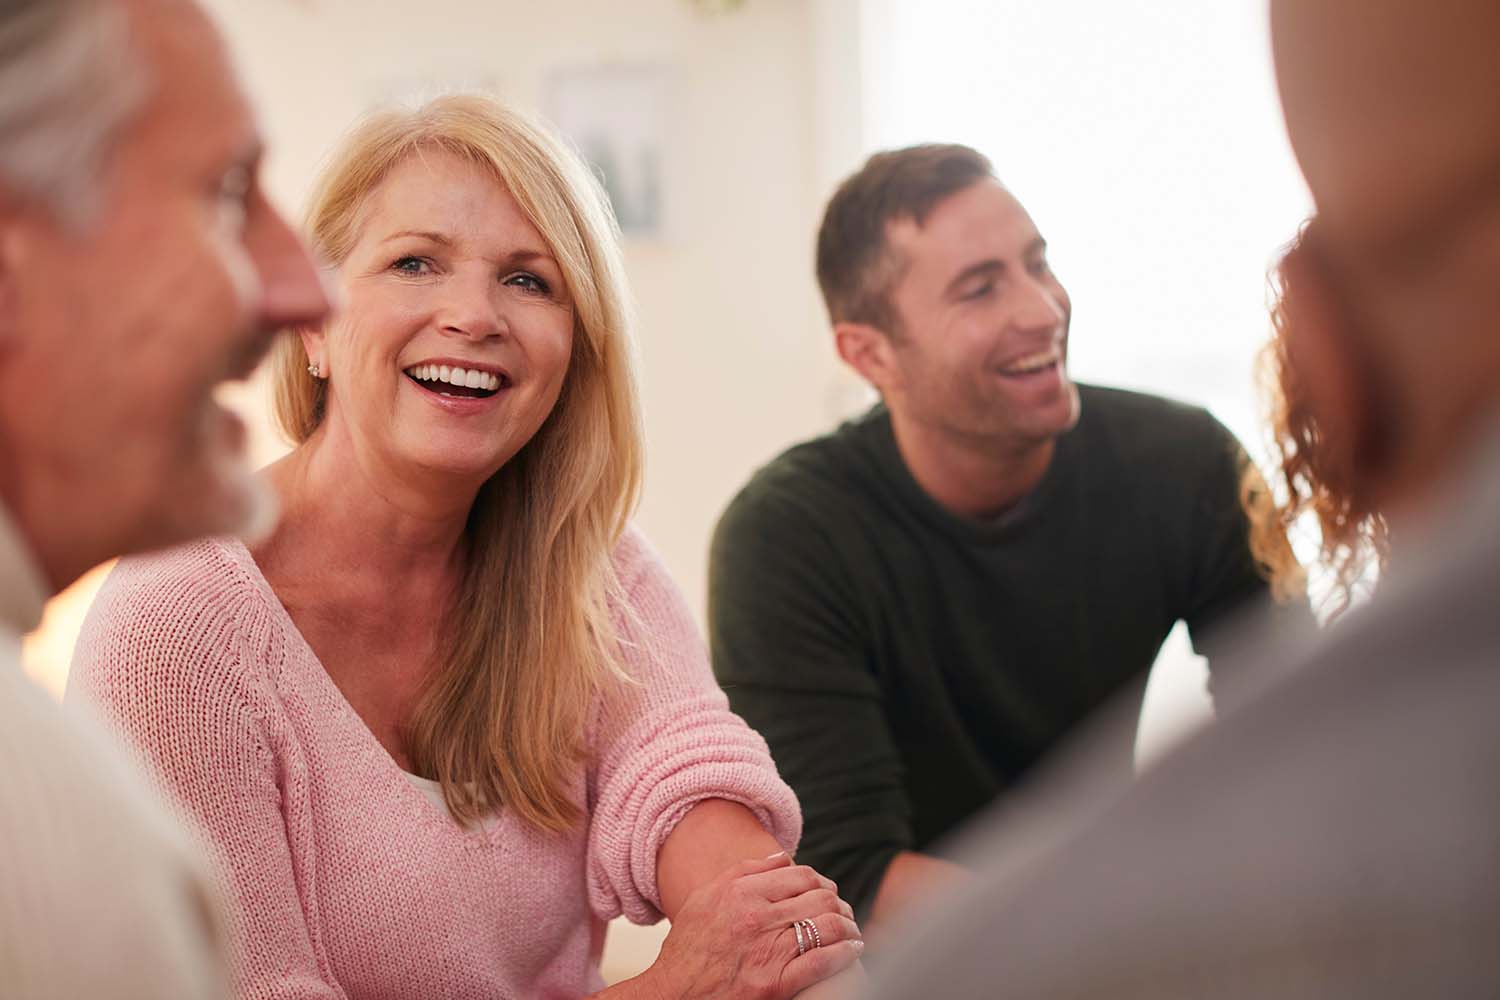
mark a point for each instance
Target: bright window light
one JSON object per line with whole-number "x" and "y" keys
{"x": 1145, "y": 139}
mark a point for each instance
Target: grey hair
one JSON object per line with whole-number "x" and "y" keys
{"x": 69, "y": 80}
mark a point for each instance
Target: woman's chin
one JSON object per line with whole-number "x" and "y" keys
{"x": 457, "y": 468}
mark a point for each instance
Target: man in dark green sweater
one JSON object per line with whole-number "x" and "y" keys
{"x": 915, "y": 608}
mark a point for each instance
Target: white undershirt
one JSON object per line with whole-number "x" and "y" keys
{"x": 432, "y": 791}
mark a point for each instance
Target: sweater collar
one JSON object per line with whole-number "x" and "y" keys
{"x": 22, "y": 592}
{"x": 980, "y": 531}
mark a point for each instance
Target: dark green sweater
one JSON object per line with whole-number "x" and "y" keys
{"x": 907, "y": 666}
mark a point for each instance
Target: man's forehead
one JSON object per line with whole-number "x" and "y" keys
{"x": 196, "y": 96}
{"x": 982, "y": 216}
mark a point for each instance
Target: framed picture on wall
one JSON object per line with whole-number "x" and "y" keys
{"x": 615, "y": 114}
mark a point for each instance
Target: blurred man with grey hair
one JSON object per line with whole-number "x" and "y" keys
{"x": 1338, "y": 835}
{"x": 140, "y": 267}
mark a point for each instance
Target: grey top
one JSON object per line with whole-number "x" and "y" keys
{"x": 1337, "y": 833}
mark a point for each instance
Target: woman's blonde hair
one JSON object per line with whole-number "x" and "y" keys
{"x": 529, "y": 638}
{"x": 1269, "y": 545}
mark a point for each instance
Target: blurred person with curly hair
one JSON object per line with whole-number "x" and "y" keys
{"x": 1317, "y": 470}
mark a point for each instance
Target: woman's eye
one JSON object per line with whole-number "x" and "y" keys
{"x": 979, "y": 291}
{"x": 411, "y": 265}
{"x": 530, "y": 282}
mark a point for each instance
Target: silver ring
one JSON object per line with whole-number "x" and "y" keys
{"x": 801, "y": 941}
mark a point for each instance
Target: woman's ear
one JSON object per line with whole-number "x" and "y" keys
{"x": 314, "y": 344}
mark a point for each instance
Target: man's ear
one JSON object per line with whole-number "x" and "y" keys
{"x": 868, "y": 350}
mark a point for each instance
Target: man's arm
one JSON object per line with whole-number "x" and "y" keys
{"x": 791, "y": 647}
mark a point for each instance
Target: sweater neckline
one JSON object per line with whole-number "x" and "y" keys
{"x": 433, "y": 809}
{"x": 975, "y": 531}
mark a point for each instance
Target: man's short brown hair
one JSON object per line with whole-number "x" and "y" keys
{"x": 856, "y": 268}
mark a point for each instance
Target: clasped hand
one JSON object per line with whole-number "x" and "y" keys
{"x": 735, "y": 939}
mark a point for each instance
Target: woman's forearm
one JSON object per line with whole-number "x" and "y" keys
{"x": 713, "y": 835}
{"x": 735, "y": 898}
{"x": 642, "y": 987}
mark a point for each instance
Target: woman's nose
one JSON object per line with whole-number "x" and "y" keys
{"x": 472, "y": 308}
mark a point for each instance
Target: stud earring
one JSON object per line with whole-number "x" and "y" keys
{"x": 314, "y": 371}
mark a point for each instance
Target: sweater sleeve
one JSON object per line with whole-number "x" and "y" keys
{"x": 664, "y": 744}
{"x": 172, "y": 655}
{"x": 792, "y": 651}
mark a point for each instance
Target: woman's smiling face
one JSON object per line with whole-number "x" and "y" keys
{"x": 457, "y": 329}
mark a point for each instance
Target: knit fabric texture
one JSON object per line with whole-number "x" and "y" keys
{"x": 341, "y": 877}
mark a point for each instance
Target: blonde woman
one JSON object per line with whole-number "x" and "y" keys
{"x": 453, "y": 715}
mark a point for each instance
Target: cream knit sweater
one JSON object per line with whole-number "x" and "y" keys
{"x": 98, "y": 896}
{"x": 348, "y": 881}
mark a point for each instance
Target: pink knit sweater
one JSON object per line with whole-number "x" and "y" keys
{"x": 345, "y": 880}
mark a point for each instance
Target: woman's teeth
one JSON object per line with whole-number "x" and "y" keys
{"x": 465, "y": 377}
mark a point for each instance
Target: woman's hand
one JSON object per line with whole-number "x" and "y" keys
{"x": 733, "y": 937}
